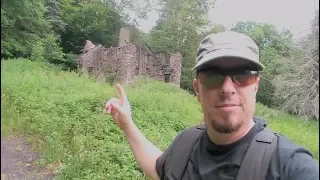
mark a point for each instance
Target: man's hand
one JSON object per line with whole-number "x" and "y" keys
{"x": 119, "y": 109}
{"x": 145, "y": 153}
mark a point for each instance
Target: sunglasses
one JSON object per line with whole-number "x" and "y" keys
{"x": 214, "y": 78}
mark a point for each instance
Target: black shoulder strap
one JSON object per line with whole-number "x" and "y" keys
{"x": 182, "y": 150}
{"x": 256, "y": 162}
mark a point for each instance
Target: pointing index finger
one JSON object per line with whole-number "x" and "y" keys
{"x": 123, "y": 96}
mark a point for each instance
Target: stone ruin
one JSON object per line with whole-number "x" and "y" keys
{"x": 127, "y": 61}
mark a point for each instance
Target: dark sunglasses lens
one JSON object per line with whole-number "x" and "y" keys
{"x": 245, "y": 79}
{"x": 211, "y": 80}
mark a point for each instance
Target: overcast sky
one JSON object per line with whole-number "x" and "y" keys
{"x": 295, "y": 15}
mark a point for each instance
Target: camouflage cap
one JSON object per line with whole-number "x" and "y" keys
{"x": 228, "y": 49}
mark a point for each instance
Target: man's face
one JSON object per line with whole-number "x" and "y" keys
{"x": 226, "y": 104}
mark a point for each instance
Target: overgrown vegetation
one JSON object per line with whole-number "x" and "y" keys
{"x": 55, "y": 31}
{"x": 284, "y": 84}
{"x": 64, "y": 112}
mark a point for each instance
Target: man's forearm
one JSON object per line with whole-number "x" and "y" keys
{"x": 143, "y": 150}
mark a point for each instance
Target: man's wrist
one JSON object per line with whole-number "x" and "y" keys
{"x": 129, "y": 127}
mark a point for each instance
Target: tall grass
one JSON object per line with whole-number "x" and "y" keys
{"x": 64, "y": 112}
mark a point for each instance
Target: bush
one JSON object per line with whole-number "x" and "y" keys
{"x": 38, "y": 52}
{"x": 53, "y": 51}
{"x": 70, "y": 61}
{"x": 187, "y": 76}
{"x": 47, "y": 49}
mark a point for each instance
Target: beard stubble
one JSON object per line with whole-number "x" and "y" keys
{"x": 224, "y": 125}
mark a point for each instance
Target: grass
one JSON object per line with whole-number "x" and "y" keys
{"x": 297, "y": 129}
{"x": 63, "y": 112}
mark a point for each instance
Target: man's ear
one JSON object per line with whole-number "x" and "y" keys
{"x": 256, "y": 85}
{"x": 195, "y": 84}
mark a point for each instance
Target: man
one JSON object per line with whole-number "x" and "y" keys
{"x": 226, "y": 85}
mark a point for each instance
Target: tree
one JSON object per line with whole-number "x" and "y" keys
{"x": 216, "y": 29}
{"x": 266, "y": 35}
{"x": 178, "y": 30}
{"x": 54, "y": 15}
{"x": 26, "y": 31}
{"x": 22, "y": 24}
{"x": 93, "y": 20}
{"x": 297, "y": 88}
{"x": 126, "y": 9}
{"x": 274, "y": 46}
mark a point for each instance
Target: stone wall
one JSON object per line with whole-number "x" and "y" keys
{"x": 124, "y": 37}
{"x": 176, "y": 66}
{"x": 127, "y": 61}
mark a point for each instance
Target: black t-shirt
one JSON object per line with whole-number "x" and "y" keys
{"x": 210, "y": 161}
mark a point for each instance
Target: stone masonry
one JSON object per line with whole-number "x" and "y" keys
{"x": 127, "y": 61}
{"x": 124, "y": 37}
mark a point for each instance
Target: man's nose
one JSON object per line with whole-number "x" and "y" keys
{"x": 227, "y": 87}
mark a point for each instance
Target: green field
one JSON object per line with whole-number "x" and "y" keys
{"x": 62, "y": 113}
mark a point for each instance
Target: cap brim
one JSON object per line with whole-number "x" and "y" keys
{"x": 229, "y": 58}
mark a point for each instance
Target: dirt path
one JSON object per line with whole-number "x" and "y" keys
{"x": 18, "y": 161}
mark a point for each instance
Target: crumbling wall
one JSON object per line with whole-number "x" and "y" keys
{"x": 127, "y": 58}
{"x": 127, "y": 62}
{"x": 155, "y": 66}
{"x": 119, "y": 62}
{"x": 176, "y": 66}
{"x": 143, "y": 57}
{"x": 90, "y": 56}
{"x": 124, "y": 37}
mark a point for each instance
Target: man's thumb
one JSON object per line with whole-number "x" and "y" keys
{"x": 117, "y": 107}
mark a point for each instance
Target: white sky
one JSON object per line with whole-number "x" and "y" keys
{"x": 295, "y": 15}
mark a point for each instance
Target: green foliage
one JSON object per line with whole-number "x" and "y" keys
{"x": 137, "y": 36}
{"x": 126, "y": 8}
{"x": 186, "y": 79}
{"x": 267, "y": 36}
{"x": 54, "y": 15}
{"x": 274, "y": 46}
{"x": 47, "y": 49}
{"x": 43, "y": 30}
{"x": 216, "y": 29}
{"x": 22, "y": 25}
{"x": 294, "y": 127}
{"x": 177, "y": 30}
{"x": 53, "y": 51}
{"x": 271, "y": 60}
{"x": 64, "y": 110}
{"x": 71, "y": 61}
{"x": 26, "y": 32}
{"x": 88, "y": 20}
{"x": 38, "y": 51}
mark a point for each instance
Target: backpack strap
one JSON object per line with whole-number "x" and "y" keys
{"x": 256, "y": 161}
{"x": 181, "y": 151}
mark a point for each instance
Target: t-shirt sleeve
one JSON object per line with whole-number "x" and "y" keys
{"x": 301, "y": 165}
{"x": 160, "y": 162}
